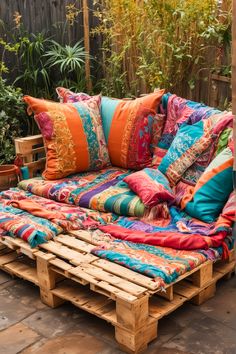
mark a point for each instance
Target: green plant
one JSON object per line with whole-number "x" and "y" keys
{"x": 148, "y": 44}
{"x": 69, "y": 62}
{"x": 12, "y": 120}
{"x": 33, "y": 73}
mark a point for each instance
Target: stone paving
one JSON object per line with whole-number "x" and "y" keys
{"x": 29, "y": 327}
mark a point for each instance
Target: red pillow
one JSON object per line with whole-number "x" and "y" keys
{"x": 151, "y": 186}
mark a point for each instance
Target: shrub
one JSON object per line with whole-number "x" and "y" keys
{"x": 13, "y": 120}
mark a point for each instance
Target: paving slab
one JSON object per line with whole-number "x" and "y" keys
{"x": 206, "y": 336}
{"x": 53, "y": 322}
{"x": 4, "y": 277}
{"x": 222, "y": 307}
{"x": 12, "y": 310}
{"x": 15, "y": 338}
{"x": 74, "y": 343}
{"x": 27, "y": 293}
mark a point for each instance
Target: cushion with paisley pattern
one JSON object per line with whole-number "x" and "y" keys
{"x": 73, "y": 136}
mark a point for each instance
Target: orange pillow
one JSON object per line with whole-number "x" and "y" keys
{"x": 132, "y": 128}
{"x": 73, "y": 135}
{"x": 130, "y": 133}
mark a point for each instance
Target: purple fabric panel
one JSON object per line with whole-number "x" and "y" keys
{"x": 85, "y": 199}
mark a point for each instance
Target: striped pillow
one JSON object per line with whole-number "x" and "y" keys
{"x": 206, "y": 200}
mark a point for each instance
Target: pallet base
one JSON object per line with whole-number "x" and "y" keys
{"x": 65, "y": 270}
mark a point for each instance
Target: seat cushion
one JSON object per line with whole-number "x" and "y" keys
{"x": 72, "y": 134}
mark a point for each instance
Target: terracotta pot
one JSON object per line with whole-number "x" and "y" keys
{"x": 8, "y": 176}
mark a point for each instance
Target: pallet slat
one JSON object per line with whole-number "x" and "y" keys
{"x": 65, "y": 270}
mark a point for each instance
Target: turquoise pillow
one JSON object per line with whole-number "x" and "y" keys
{"x": 206, "y": 200}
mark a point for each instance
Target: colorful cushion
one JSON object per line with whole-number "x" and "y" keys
{"x": 178, "y": 111}
{"x": 222, "y": 127}
{"x": 73, "y": 136}
{"x": 67, "y": 96}
{"x": 206, "y": 200}
{"x": 157, "y": 128}
{"x": 128, "y": 127}
{"x": 189, "y": 143}
{"x": 131, "y": 127}
{"x": 151, "y": 186}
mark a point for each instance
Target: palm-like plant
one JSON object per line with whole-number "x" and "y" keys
{"x": 69, "y": 60}
{"x": 34, "y": 73}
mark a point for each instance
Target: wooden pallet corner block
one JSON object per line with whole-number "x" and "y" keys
{"x": 65, "y": 270}
{"x": 32, "y": 152}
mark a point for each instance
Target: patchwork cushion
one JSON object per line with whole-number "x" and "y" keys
{"x": 157, "y": 128}
{"x": 131, "y": 127}
{"x": 128, "y": 126}
{"x": 151, "y": 186}
{"x": 206, "y": 200}
{"x": 222, "y": 131}
{"x": 189, "y": 143}
{"x": 73, "y": 136}
{"x": 67, "y": 96}
{"x": 178, "y": 111}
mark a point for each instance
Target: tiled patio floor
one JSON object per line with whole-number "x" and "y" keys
{"x": 29, "y": 327}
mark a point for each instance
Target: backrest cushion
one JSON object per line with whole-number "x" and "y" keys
{"x": 72, "y": 134}
{"x": 178, "y": 111}
{"x": 206, "y": 200}
{"x": 128, "y": 127}
{"x": 189, "y": 143}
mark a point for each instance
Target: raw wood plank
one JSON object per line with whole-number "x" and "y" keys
{"x": 127, "y": 274}
{"x": 120, "y": 283}
{"x": 84, "y": 235}
{"x": 22, "y": 271}
{"x": 73, "y": 242}
{"x": 66, "y": 253}
{"x": 7, "y": 258}
{"x": 101, "y": 286}
{"x": 61, "y": 264}
{"x": 159, "y": 307}
{"x": 23, "y": 246}
{"x": 186, "y": 289}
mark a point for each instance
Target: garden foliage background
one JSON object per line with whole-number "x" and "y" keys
{"x": 136, "y": 46}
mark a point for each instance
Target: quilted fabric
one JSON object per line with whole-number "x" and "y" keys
{"x": 189, "y": 143}
{"x": 206, "y": 200}
{"x": 73, "y": 136}
{"x": 102, "y": 190}
{"x": 151, "y": 186}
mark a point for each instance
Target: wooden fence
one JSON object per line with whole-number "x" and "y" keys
{"x": 50, "y": 16}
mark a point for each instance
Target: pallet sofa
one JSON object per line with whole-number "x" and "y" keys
{"x": 66, "y": 268}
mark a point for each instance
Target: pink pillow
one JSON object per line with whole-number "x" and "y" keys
{"x": 151, "y": 186}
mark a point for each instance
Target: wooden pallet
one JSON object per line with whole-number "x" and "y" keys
{"x": 32, "y": 152}
{"x": 65, "y": 270}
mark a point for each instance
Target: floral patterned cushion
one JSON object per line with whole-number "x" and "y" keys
{"x": 73, "y": 136}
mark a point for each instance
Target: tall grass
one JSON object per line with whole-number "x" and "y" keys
{"x": 148, "y": 44}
